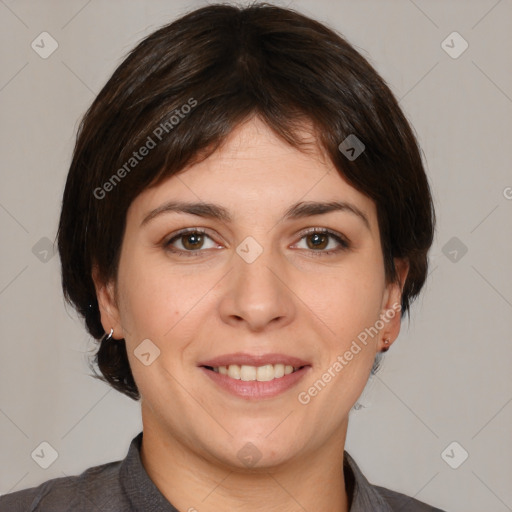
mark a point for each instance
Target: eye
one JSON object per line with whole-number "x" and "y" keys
{"x": 319, "y": 239}
{"x": 190, "y": 240}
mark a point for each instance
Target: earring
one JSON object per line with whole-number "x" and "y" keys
{"x": 386, "y": 342}
{"x": 110, "y": 335}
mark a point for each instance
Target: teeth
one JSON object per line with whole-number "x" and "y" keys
{"x": 264, "y": 373}
{"x": 279, "y": 371}
{"x": 252, "y": 373}
{"x": 234, "y": 371}
{"x": 247, "y": 372}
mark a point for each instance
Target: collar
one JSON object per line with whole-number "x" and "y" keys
{"x": 363, "y": 496}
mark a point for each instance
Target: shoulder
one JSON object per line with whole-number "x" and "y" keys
{"x": 97, "y": 488}
{"x": 400, "y": 502}
{"x": 367, "y": 496}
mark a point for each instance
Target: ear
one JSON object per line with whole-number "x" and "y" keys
{"x": 392, "y": 306}
{"x": 106, "y": 295}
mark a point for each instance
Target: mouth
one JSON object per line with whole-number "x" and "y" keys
{"x": 249, "y": 373}
{"x": 255, "y": 377}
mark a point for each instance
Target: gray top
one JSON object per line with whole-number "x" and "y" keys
{"x": 124, "y": 486}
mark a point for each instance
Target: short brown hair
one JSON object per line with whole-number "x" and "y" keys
{"x": 228, "y": 63}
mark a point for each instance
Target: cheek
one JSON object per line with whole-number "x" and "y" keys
{"x": 350, "y": 308}
{"x": 348, "y": 302}
{"x": 348, "y": 299}
{"x": 158, "y": 301}
{"x": 148, "y": 298}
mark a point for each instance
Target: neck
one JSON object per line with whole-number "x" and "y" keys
{"x": 194, "y": 482}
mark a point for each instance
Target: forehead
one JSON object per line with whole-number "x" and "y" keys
{"x": 255, "y": 172}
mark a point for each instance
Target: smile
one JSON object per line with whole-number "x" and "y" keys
{"x": 248, "y": 373}
{"x": 255, "y": 382}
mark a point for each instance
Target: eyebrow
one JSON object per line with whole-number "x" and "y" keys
{"x": 297, "y": 211}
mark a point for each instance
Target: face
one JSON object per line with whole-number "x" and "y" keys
{"x": 263, "y": 279}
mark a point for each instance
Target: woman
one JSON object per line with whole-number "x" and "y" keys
{"x": 245, "y": 222}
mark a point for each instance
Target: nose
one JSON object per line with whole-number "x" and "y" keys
{"x": 257, "y": 294}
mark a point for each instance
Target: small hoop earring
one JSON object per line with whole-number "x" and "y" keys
{"x": 110, "y": 335}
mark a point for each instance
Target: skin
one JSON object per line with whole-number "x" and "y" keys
{"x": 293, "y": 299}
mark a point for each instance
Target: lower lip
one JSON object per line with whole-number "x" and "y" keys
{"x": 256, "y": 390}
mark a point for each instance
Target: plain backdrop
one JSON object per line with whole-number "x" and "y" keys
{"x": 447, "y": 378}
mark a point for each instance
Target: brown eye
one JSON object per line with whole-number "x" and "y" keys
{"x": 317, "y": 240}
{"x": 192, "y": 241}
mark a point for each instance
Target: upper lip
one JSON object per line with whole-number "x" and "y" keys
{"x": 241, "y": 358}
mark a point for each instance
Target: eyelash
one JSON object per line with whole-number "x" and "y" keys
{"x": 344, "y": 243}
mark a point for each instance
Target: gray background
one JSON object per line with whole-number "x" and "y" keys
{"x": 447, "y": 378}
